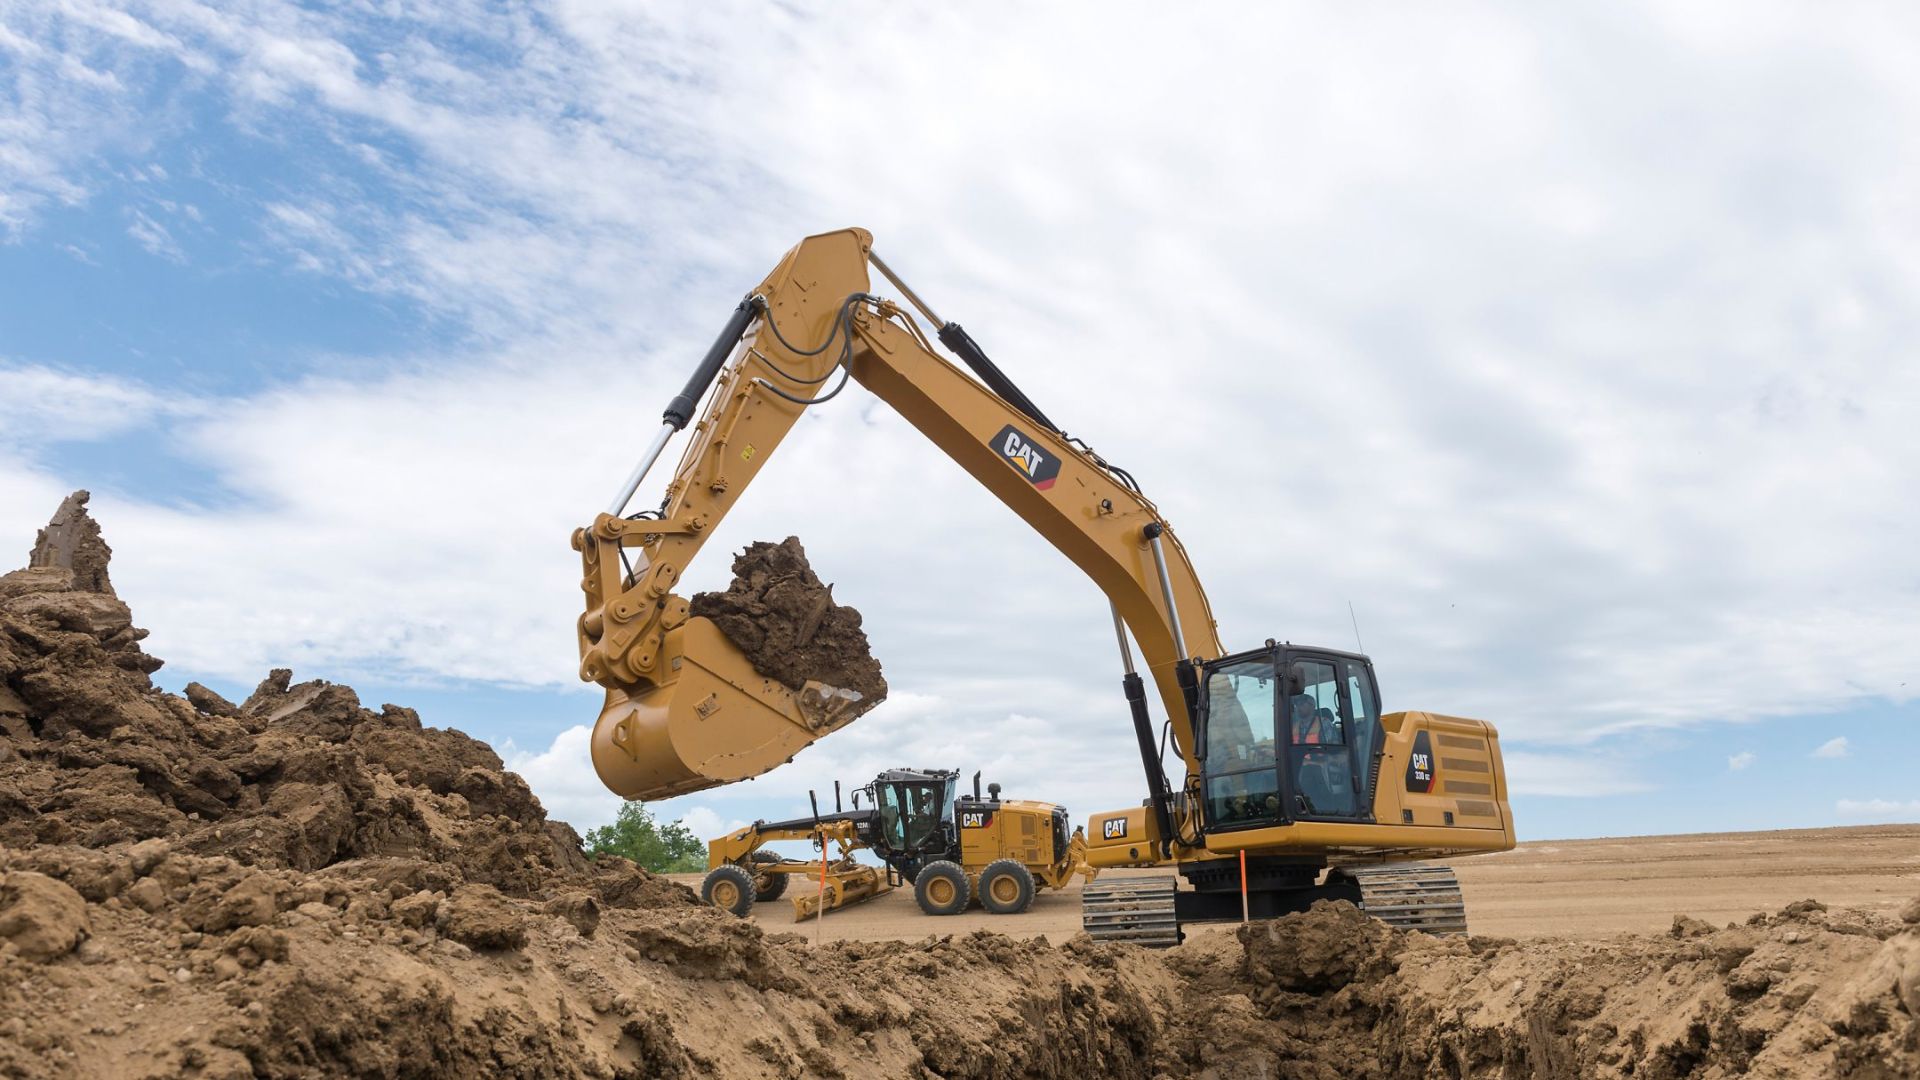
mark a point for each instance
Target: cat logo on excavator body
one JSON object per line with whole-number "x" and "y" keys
{"x": 1020, "y": 451}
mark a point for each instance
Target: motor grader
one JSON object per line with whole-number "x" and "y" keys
{"x": 1271, "y": 814}
{"x": 951, "y": 847}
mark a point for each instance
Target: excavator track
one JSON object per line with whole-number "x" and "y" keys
{"x": 1136, "y": 910}
{"x": 1412, "y": 896}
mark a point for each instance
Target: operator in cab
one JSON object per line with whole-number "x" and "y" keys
{"x": 1312, "y": 726}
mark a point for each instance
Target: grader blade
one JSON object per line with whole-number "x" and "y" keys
{"x": 844, "y": 887}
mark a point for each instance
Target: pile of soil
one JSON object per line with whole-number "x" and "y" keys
{"x": 780, "y": 614}
{"x": 1331, "y": 993}
{"x": 297, "y": 886}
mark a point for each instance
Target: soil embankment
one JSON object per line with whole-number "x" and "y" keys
{"x": 298, "y": 886}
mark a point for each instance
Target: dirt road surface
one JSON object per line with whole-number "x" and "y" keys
{"x": 1550, "y": 888}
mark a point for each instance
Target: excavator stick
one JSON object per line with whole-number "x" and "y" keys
{"x": 685, "y": 709}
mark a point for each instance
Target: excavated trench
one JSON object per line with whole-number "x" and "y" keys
{"x": 297, "y": 885}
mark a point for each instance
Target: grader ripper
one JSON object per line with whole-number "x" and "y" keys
{"x": 1290, "y": 768}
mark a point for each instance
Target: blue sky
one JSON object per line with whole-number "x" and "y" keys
{"x": 1585, "y": 334}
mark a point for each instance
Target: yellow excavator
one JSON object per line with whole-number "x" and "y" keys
{"x": 1296, "y": 785}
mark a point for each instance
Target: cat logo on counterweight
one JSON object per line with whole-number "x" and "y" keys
{"x": 1420, "y": 770}
{"x": 1016, "y": 449}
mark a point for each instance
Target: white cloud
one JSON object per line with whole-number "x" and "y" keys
{"x": 706, "y": 824}
{"x": 154, "y": 237}
{"x": 43, "y": 404}
{"x": 1835, "y": 747}
{"x": 1740, "y": 760}
{"x": 1567, "y": 775}
{"x": 66, "y": 106}
{"x": 562, "y": 777}
{"x": 1879, "y": 809}
{"x": 1595, "y": 406}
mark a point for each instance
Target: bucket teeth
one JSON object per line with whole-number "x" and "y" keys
{"x": 1136, "y": 910}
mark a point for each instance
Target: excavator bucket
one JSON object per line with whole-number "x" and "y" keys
{"x": 715, "y": 720}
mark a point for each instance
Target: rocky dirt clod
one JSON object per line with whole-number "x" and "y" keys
{"x": 787, "y": 622}
{"x": 43, "y": 919}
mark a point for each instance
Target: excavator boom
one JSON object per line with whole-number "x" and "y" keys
{"x": 684, "y": 709}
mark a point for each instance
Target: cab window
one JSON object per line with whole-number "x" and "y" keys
{"x": 911, "y": 814}
{"x": 1240, "y": 700}
{"x": 1320, "y": 761}
{"x": 1243, "y": 798}
{"x": 892, "y": 819}
{"x": 1365, "y": 726}
{"x": 1242, "y": 778}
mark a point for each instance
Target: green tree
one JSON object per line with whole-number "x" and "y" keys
{"x": 664, "y": 849}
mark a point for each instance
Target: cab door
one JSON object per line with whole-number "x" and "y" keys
{"x": 1241, "y": 753}
{"x": 1326, "y": 766}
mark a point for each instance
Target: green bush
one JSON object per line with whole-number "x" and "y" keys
{"x": 664, "y": 849}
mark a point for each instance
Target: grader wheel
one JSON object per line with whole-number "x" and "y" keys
{"x": 729, "y": 888}
{"x": 1006, "y": 887}
{"x": 766, "y": 884}
{"x": 942, "y": 888}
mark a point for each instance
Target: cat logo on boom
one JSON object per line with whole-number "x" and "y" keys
{"x": 1018, "y": 450}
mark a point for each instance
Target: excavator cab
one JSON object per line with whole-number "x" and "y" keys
{"x": 1288, "y": 734}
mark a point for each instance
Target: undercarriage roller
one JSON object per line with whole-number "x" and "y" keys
{"x": 1412, "y": 896}
{"x": 1138, "y": 910}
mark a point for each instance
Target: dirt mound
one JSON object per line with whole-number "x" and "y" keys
{"x": 298, "y": 886}
{"x": 299, "y": 777}
{"x": 780, "y": 614}
{"x": 1331, "y": 993}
